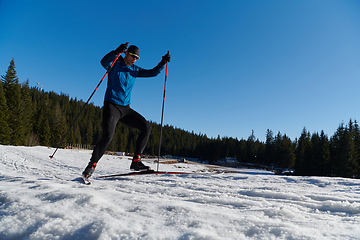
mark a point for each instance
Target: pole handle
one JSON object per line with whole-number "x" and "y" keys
{"x": 127, "y": 44}
{"x": 166, "y": 67}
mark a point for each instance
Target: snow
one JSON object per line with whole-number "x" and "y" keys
{"x": 43, "y": 198}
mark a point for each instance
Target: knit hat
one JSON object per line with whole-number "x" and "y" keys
{"x": 134, "y": 49}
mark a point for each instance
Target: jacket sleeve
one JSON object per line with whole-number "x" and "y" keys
{"x": 108, "y": 59}
{"x": 151, "y": 72}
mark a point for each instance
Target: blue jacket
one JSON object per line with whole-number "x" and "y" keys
{"x": 121, "y": 78}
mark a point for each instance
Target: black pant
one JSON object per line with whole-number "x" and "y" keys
{"x": 112, "y": 114}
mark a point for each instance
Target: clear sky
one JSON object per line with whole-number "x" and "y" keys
{"x": 236, "y": 66}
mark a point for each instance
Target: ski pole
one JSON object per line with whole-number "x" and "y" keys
{"x": 162, "y": 114}
{"x": 127, "y": 43}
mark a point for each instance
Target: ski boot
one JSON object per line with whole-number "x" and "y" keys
{"x": 89, "y": 170}
{"x": 137, "y": 165}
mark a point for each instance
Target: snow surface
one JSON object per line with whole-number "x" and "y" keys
{"x": 43, "y": 198}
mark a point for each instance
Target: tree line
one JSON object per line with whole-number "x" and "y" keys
{"x": 30, "y": 116}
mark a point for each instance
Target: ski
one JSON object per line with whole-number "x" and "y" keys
{"x": 141, "y": 173}
{"x": 86, "y": 180}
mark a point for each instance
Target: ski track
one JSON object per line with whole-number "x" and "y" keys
{"x": 43, "y": 198}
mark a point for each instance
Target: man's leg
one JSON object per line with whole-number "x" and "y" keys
{"x": 133, "y": 119}
{"x": 111, "y": 116}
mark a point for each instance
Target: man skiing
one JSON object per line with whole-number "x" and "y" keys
{"x": 121, "y": 79}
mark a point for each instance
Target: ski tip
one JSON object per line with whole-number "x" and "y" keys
{"x": 50, "y": 157}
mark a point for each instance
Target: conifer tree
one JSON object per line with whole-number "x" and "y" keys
{"x": 251, "y": 148}
{"x": 12, "y": 92}
{"x": 325, "y": 159}
{"x": 357, "y": 146}
{"x": 314, "y": 165}
{"x": 4, "y": 127}
{"x": 336, "y": 142}
{"x": 44, "y": 134}
{"x": 57, "y": 123}
{"x": 27, "y": 110}
{"x": 284, "y": 151}
{"x": 242, "y": 151}
{"x": 41, "y": 125}
{"x": 302, "y": 155}
{"x": 352, "y": 167}
{"x": 269, "y": 147}
{"x": 345, "y": 152}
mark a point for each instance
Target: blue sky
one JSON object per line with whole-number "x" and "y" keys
{"x": 236, "y": 66}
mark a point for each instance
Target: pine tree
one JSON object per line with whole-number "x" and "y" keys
{"x": 284, "y": 151}
{"x": 4, "y": 126}
{"x": 12, "y": 92}
{"x": 58, "y": 125}
{"x": 27, "y": 110}
{"x": 345, "y": 152}
{"x": 315, "y": 155}
{"x": 251, "y": 148}
{"x": 242, "y": 151}
{"x": 352, "y": 167}
{"x": 41, "y": 124}
{"x": 303, "y": 148}
{"x": 325, "y": 158}
{"x": 357, "y": 146}
{"x": 269, "y": 147}
{"x": 45, "y": 133}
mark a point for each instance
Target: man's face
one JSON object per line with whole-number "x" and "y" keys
{"x": 130, "y": 59}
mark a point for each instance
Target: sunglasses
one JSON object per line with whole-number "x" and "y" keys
{"x": 134, "y": 56}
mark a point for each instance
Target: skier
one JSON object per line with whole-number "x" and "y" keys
{"x": 121, "y": 79}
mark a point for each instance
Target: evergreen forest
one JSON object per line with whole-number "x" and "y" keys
{"x": 30, "y": 116}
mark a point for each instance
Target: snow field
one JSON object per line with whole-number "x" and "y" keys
{"x": 43, "y": 198}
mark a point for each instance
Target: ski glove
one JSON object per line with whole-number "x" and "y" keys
{"x": 165, "y": 58}
{"x": 121, "y": 49}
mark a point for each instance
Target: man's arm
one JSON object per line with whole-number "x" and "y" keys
{"x": 108, "y": 59}
{"x": 151, "y": 72}
{"x": 156, "y": 70}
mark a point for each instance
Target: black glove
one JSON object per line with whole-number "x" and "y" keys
{"x": 166, "y": 58}
{"x": 121, "y": 49}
